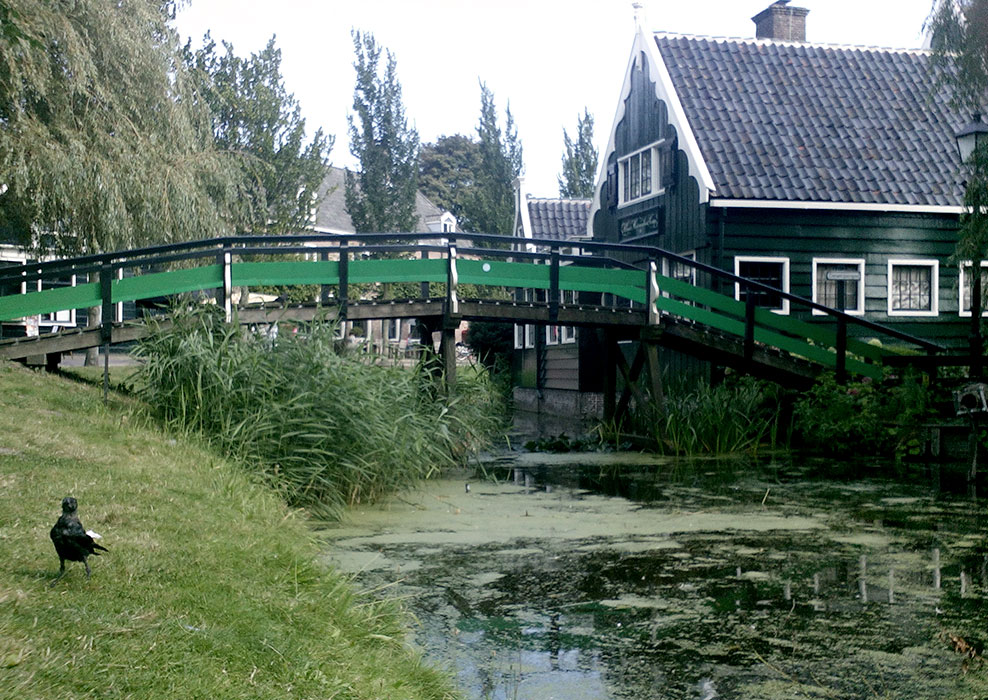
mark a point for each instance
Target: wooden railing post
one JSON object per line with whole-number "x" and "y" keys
{"x": 423, "y": 286}
{"x": 652, "y": 293}
{"x": 841, "y": 349}
{"x": 749, "y": 325}
{"x": 106, "y": 276}
{"x": 974, "y": 337}
{"x": 452, "y": 282}
{"x": 554, "y": 284}
{"x": 344, "y": 272}
{"x": 226, "y": 260}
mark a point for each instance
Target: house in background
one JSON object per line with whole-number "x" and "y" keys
{"x": 829, "y": 172}
{"x": 546, "y": 364}
{"x": 808, "y": 167}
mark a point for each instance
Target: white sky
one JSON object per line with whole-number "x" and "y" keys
{"x": 549, "y": 58}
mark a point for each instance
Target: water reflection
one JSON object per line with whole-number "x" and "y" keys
{"x": 717, "y": 604}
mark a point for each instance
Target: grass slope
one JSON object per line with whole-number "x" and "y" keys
{"x": 210, "y": 588}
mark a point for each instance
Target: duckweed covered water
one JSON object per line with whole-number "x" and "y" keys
{"x": 608, "y": 576}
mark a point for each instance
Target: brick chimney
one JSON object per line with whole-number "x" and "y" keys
{"x": 779, "y": 21}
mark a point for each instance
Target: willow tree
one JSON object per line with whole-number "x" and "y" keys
{"x": 103, "y": 142}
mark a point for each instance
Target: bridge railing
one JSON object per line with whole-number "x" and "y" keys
{"x": 628, "y": 275}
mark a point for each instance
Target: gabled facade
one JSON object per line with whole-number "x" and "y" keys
{"x": 809, "y": 167}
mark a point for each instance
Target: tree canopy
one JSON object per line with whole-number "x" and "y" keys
{"x": 448, "y": 174}
{"x": 958, "y": 31}
{"x": 579, "y": 160}
{"x": 254, "y": 115}
{"x": 381, "y": 196}
{"x": 104, "y": 142}
{"x": 491, "y": 206}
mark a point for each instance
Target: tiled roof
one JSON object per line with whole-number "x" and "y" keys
{"x": 332, "y": 216}
{"x": 815, "y": 123}
{"x": 558, "y": 219}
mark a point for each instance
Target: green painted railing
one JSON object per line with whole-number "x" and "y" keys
{"x": 336, "y": 262}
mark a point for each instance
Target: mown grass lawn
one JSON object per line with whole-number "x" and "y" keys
{"x": 211, "y": 587}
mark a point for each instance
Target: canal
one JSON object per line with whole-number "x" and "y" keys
{"x": 598, "y": 576}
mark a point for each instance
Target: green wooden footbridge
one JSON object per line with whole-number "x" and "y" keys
{"x": 618, "y": 289}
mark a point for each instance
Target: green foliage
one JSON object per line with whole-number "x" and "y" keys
{"x": 255, "y": 116}
{"x": 104, "y": 142}
{"x": 738, "y": 415}
{"x": 212, "y": 587}
{"x": 492, "y": 205}
{"x": 579, "y": 160}
{"x": 864, "y": 417}
{"x": 958, "y": 32}
{"x": 491, "y": 342}
{"x": 448, "y": 175}
{"x": 381, "y": 197}
{"x": 324, "y": 427}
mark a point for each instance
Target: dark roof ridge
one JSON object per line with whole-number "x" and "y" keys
{"x": 532, "y": 198}
{"x": 778, "y": 42}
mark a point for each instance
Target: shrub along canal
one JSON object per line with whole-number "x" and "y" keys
{"x": 623, "y": 576}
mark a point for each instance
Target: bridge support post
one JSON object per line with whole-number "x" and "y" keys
{"x": 610, "y": 375}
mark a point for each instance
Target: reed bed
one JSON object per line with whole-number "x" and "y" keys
{"x": 739, "y": 416}
{"x": 324, "y": 427}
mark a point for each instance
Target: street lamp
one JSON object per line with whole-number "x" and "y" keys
{"x": 970, "y": 138}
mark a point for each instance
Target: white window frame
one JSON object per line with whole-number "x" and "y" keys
{"x": 860, "y": 263}
{"x": 934, "y": 266}
{"x": 392, "y": 324}
{"x": 739, "y": 259}
{"x": 667, "y": 267}
{"x": 962, "y": 282}
{"x": 567, "y": 334}
{"x": 552, "y": 335}
{"x": 655, "y": 177}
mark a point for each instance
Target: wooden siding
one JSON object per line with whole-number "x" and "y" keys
{"x": 802, "y": 236}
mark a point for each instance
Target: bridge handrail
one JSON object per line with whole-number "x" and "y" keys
{"x": 513, "y": 247}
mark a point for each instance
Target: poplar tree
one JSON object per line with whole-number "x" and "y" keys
{"x": 492, "y": 205}
{"x": 381, "y": 196}
{"x": 103, "y": 142}
{"x": 254, "y": 115}
{"x": 579, "y": 160}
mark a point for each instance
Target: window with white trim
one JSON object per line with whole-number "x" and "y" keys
{"x": 638, "y": 175}
{"x": 393, "y": 330}
{"x": 567, "y": 334}
{"x": 525, "y": 333}
{"x": 771, "y": 271}
{"x": 830, "y": 275}
{"x": 913, "y": 287}
{"x": 966, "y": 281}
{"x": 680, "y": 270}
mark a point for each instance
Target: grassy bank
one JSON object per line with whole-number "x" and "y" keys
{"x": 211, "y": 587}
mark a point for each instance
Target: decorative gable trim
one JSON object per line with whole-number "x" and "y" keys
{"x": 644, "y": 45}
{"x": 835, "y": 206}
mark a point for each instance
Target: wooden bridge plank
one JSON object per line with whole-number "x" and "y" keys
{"x": 49, "y": 301}
{"x": 397, "y": 270}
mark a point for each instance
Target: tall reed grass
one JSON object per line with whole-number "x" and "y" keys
{"x": 325, "y": 427}
{"x": 736, "y": 416}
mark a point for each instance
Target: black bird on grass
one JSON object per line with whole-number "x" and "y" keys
{"x": 71, "y": 540}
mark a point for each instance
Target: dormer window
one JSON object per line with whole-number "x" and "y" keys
{"x": 638, "y": 175}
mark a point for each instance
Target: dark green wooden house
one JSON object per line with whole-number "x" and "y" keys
{"x": 830, "y": 172}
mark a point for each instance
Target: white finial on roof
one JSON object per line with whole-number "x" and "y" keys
{"x": 639, "y": 9}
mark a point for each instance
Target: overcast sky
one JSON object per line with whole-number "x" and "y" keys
{"x": 550, "y": 58}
